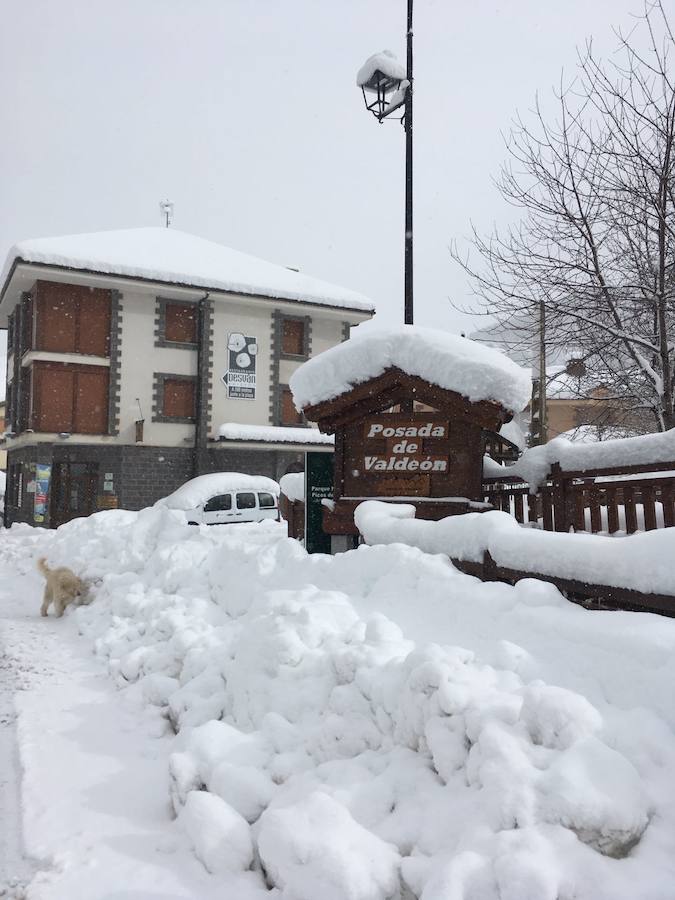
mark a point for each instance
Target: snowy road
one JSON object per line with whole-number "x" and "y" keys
{"x": 84, "y": 803}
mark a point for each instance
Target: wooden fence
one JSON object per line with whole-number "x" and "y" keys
{"x": 595, "y": 501}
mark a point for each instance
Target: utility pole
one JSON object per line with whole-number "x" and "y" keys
{"x": 539, "y": 417}
{"x": 408, "y": 124}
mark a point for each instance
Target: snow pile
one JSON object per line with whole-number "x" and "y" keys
{"x": 233, "y": 431}
{"x": 638, "y": 561}
{"x": 198, "y": 490}
{"x": 293, "y": 486}
{"x": 577, "y": 456}
{"x": 451, "y": 362}
{"x": 377, "y": 725}
{"x": 172, "y": 256}
{"x": 384, "y": 62}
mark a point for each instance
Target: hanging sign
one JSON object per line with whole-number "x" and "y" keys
{"x": 240, "y": 378}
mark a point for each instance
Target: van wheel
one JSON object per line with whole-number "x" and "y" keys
{"x": 192, "y": 523}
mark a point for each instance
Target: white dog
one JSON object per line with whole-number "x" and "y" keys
{"x": 62, "y": 587}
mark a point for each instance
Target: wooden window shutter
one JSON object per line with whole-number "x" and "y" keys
{"x": 53, "y": 397}
{"x": 91, "y": 401}
{"x": 180, "y": 323}
{"x": 289, "y": 414}
{"x": 94, "y": 323}
{"x": 179, "y": 398}
{"x": 56, "y": 318}
{"x": 26, "y": 323}
{"x": 293, "y": 337}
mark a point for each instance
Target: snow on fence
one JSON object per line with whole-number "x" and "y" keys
{"x": 631, "y": 572}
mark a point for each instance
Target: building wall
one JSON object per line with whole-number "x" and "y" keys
{"x": 143, "y": 472}
{"x": 140, "y": 359}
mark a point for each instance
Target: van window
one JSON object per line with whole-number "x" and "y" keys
{"x": 246, "y": 501}
{"x": 218, "y": 504}
{"x": 266, "y": 501}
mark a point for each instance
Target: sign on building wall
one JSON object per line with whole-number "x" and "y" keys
{"x": 240, "y": 378}
{"x": 319, "y": 475}
{"x": 42, "y": 478}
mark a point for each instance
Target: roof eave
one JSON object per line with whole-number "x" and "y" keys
{"x": 178, "y": 284}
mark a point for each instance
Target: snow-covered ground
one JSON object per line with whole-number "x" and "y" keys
{"x": 368, "y": 726}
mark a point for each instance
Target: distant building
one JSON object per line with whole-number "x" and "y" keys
{"x": 138, "y": 359}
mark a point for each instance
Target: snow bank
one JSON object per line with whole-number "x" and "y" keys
{"x": 314, "y": 848}
{"x": 638, "y": 561}
{"x": 220, "y": 836}
{"x": 233, "y": 431}
{"x": 198, "y": 490}
{"x": 379, "y": 724}
{"x": 293, "y": 486}
{"x": 455, "y": 363}
{"x": 534, "y": 466}
{"x": 386, "y": 62}
{"x": 172, "y": 256}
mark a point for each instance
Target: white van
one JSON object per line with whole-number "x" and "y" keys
{"x": 223, "y": 498}
{"x": 235, "y": 506}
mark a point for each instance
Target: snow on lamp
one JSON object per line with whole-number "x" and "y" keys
{"x": 382, "y": 80}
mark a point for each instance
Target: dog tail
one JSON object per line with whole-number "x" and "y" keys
{"x": 43, "y": 567}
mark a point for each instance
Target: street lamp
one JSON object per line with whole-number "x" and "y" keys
{"x": 388, "y": 87}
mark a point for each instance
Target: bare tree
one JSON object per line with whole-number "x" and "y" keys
{"x": 595, "y": 248}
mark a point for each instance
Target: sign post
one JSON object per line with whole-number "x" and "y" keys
{"x": 319, "y": 474}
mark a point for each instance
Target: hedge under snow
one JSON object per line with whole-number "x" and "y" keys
{"x": 455, "y": 363}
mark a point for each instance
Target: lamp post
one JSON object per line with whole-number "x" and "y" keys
{"x": 387, "y": 88}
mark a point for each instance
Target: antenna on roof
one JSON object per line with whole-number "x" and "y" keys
{"x": 166, "y": 209}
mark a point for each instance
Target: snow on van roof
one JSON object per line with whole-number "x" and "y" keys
{"x": 455, "y": 363}
{"x": 198, "y": 490}
{"x": 175, "y": 257}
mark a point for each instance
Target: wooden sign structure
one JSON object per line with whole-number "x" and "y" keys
{"x": 400, "y": 437}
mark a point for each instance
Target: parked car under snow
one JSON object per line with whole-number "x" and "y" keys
{"x": 224, "y": 498}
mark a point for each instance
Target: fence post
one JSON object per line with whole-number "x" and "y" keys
{"x": 562, "y": 513}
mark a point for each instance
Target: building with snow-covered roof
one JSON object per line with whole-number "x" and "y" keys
{"x": 127, "y": 352}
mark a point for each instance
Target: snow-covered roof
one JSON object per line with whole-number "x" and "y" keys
{"x": 451, "y": 362}
{"x": 171, "y": 256}
{"x": 198, "y": 490}
{"x": 386, "y": 62}
{"x": 282, "y": 434}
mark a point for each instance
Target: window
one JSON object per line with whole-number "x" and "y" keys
{"x": 26, "y": 323}
{"x": 246, "y": 501}
{"x": 180, "y": 323}
{"x": 72, "y": 319}
{"x": 10, "y": 333}
{"x": 266, "y": 501}
{"x": 293, "y": 337}
{"x": 179, "y": 398}
{"x": 288, "y": 413}
{"x": 15, "y": 485}
{"x": 219, "y": 504}
{"x": 67, "y": 398}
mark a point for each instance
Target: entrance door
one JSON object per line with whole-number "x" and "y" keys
{"x": 73, "y": 491}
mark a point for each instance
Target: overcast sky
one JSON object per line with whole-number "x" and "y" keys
{"x": 245, "y": 113}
